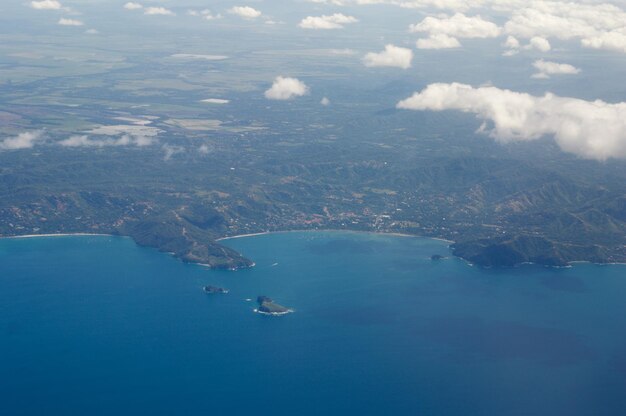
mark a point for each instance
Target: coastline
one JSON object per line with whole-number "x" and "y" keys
{"x": 395, "y": 234}
{"x": 273, "y": 313}
{"x": 239, "y": 235}
{"x": 56, "y": 235}
{"x": 598, "y": 264}
{"x": 249, "y": 235}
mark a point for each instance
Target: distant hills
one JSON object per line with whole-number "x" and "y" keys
{"x": 384, "y": 172}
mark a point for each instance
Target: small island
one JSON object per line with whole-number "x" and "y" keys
{"x": 268, "y": 307}
{"x": 215, "y": 290}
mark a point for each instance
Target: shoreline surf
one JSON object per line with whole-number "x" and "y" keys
{"x": 378, "y": 233}
{"x": 56, "y": 235}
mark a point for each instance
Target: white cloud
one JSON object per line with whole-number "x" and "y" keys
{"x": 204, "y": 149}
{"x": 170, "y": 151}
{"x": 141, "y": 141}
{"x": 591, "y": 129}
{"x": 91, "y": 32}
{"x": 458, "y": 26}
{"x": 192, "y": 56}
{"x": 132, "y": 6}
{"x": 454, "y": 5}
{"x": 561, "y": 20}
{"x": 215, "y": 101}
{"x": 325, "y": 101}
{"x": 540, "y": 44}
{"x": 125, "y": 140}
{"x": 599, "y": 26}
{"x": 245, "y": 12}
{"x": 536, "y": 43}
{"x": 612, "y": 41}
{"x": 205, "y": 14}
{"x": 77, "y": 141}
{"x": 547, "y": 68}
{"x": 158, "y": 11}
{"x": 393, "y": 56}
{"x": 438, "y": 42}
{"x": 70, "y": 22}
{"x": 511, "y": 43}
{"x": 444, "y": 31}
{"x": 26, "y": 140}
{"x": 285, "y": 88}
{"x": 335, "y": 21}
{"x": 46, "y": 5}
{"x": 513, "y": 46}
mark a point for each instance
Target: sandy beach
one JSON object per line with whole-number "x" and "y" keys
{"x": 55, "y": 235}
{"x": 245, "y": 235}
{"x": 333, "y": 230}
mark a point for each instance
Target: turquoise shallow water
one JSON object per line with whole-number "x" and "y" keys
{"x": 99, "y": 326}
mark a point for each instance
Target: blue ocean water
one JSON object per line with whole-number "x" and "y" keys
{"x": 99, "y": 326}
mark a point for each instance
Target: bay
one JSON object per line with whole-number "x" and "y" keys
{"x": 96, "y": 325}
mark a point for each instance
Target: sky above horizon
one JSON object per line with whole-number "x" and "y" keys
{"x": 525, "y": 69}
